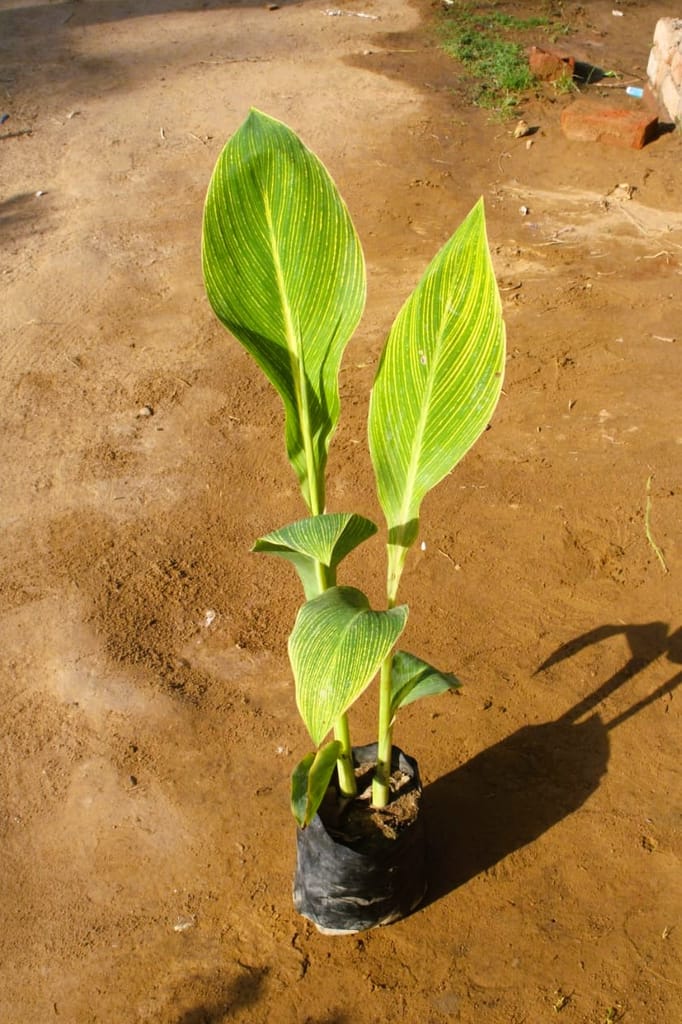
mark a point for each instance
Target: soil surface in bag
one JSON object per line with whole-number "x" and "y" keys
{"x": 359, "y": 866}
{"x": 357, "y": 822}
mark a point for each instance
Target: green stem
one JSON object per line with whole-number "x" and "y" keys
{"x": 315, "y": 476}
{"x": 326, "y": 578}
{"x": 344, "y": 765}
{"x": 382, "y": 775}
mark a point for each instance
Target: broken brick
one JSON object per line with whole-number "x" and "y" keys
{"x": 592, "y": 122}
{"x": 549, "y": 66}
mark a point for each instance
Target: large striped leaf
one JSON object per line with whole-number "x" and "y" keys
{"x": 335, "y": 649}
{"x": 317, "y": 541}
{"x": 284, "y": 272}
{"x": 438, "y": 381}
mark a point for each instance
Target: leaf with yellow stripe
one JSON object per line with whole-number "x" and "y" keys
{"x": 284, "y": 272}
{"x": 335, "y": 649}
{"x": 438, "y": 381}
{"x": 412, "y": 679}
{"x": 310, "y": 780}
{"x": 318, "y": 541}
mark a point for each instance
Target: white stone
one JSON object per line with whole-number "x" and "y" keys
{"x": 671, "y": 97}
{"x": 676, "y": 70}
{"x": 654, "y": 65}
{"x": 668, "y": 35}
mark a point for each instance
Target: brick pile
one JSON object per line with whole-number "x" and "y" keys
{"x": 665, "y": 66}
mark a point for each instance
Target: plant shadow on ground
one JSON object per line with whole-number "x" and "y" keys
{"x": 223, "y": 999}
{"x": 225, "y": 996}
{"x": 44, "y": 42}
{"x": 18, "y": 210}
{"x": 588, "y": 74}
{"x": 512, "y": 793}
{"x": 97, "y": 12}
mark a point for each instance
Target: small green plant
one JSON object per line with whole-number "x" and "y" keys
{"x": 565, "y": 84}
{"x": 285, "y": 273}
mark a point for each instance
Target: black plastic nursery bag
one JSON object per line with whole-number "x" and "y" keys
{"x": 348, "y": 884}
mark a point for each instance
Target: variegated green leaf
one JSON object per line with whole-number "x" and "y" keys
{"x": 335, "y": 649}
{"x": 285, "y": 274}
{"x": 310, "y": 780}
{"x": 299, "y": 787}
{"x": 412, "y": 679}
{"x": 438, "y": 381}
{"x": 318, "y": 540}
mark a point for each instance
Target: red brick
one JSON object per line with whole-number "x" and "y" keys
{"x": 593, "y": 122}
{"x": 549, "y": 66}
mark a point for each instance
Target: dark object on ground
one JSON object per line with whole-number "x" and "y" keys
{"x": 363, "y": 867}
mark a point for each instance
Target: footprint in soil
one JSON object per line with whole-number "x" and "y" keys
{"x": 513, "y": 792}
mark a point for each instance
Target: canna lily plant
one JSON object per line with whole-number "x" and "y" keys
{"x": 285, "y": 273}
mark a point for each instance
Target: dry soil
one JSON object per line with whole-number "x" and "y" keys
{"x": 147, "y": 721}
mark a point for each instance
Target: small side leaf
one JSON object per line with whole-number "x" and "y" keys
{"x": 299, "y": 788}
{"x": 335, "y": 649}
{"x": 310, "y": 780}
{"x": 325, "y": 538}
{"x": 412, "y": 678}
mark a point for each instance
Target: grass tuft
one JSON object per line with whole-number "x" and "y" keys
{"x": 479, "y": 38}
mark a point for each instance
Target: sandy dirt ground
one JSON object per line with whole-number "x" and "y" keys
{"x": 147, "y": 725}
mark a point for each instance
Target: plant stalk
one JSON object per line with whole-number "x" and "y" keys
{"x": 326, "y": 578}
{"x": 382, "y": 775}
{"x": 344, "y": 764}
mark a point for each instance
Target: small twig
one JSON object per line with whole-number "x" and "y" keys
{"x": 663, "y": 252}
{"x": 15, "y": 135}
{"x": 336, "y": 13}
{"x": 238, "y": 60}
{"x": 620, "y": 84}
{"x": 555, "y": 240}
{"x": 455, "y": 564}
{"x": 647, "y": 527}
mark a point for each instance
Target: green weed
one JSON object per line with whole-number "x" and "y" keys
{"x": 565, "y": 84}
{"x": 479, "y": 38}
